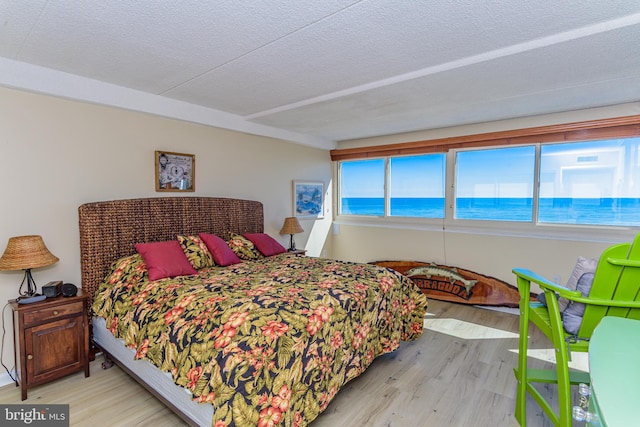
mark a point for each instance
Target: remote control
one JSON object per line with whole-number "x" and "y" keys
{"x": 29, "y": 300}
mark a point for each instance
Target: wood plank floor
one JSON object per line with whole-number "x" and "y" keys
{"x": 459, "y": 373}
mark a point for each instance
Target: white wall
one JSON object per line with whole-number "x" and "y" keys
{"x": 491, "y": 255}
{"x": 57, "y": 154}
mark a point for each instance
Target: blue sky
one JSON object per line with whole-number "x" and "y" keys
{"x": 588, "y": 169}
{"x": 363, "y": 178}
{"x": 502, "y": 172}
{"x": 415, "y": 176}
{"x": 418, "y": 176}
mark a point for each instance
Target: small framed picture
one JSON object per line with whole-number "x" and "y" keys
{"x": 308, "y": 199}
{"x": 175, "y": 171}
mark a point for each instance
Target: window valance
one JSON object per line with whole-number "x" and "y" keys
{"x": 617, "y": 127}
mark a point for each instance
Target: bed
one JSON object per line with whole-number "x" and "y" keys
{"x": 265, "y": 341}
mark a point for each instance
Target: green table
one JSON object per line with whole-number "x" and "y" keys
{"x": 614, "y": 366}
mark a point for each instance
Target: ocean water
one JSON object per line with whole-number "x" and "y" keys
{"x": 605, "y": 211}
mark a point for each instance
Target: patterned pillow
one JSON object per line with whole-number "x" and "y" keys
{"x": 243, "y": 247}
{"x": 196, "y": 251}
{"x": 129, "y": 269}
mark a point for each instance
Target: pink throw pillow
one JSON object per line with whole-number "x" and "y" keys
{"x": 266, "y": 244}
{"x": 165, "y": 259}
{"x": 222, "y": 253}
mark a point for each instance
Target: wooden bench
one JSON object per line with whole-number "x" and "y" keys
{"x": 614, "y": 292}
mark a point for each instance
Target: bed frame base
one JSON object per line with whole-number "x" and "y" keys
{"x": 109, "y": 361}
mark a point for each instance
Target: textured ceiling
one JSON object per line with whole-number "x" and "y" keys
{"x": 315, "y": 72}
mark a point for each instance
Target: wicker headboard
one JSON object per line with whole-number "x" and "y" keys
{"x": 109, "y": 230}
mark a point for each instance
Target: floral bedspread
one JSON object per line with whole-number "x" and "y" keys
{"x": 267, "y": 342}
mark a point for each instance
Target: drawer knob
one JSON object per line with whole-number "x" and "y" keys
{"x": 55, "y": 312}
{"x": 30, "y": 356}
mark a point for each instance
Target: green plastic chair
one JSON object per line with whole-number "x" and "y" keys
{"x": 614, "y": 292}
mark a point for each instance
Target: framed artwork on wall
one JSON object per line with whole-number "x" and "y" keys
{"x": 175, "y": 171}
{"x": 308, "y": 199}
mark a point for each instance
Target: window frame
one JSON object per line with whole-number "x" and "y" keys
{"x": 386, "y": 190}
{"x": 534, "y": 180}
{"x": 622, "y": 127}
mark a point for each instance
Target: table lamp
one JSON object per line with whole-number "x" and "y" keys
{"x": 25, "y": 253}
{"x": 291, "y": 226}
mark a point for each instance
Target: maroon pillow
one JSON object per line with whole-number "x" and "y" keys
{"x": 266, "y": 244}
{"x": 222, "y": 253}
{"x": 165, "y": 259}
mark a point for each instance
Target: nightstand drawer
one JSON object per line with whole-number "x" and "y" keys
{"x": 55, "y": 312}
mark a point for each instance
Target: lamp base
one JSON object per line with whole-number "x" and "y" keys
{"x": 32, "y": 289}
{"x": 292, "y": 244}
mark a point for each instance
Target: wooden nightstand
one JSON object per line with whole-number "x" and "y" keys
{"x": 299, "y": 252}
{"x": 51, "y": 339}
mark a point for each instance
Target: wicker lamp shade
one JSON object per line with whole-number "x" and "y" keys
{"x": 26, "y": 252}
{"x": 291, "y": 226}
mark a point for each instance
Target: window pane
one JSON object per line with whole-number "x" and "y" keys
{"x": 495, "y": 184}
{"x": 417, "y": 186}
{"x": 594, "y": 183}
{"x": 362, "y": 187}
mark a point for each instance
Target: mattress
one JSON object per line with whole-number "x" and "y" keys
{"x": 201, "y": 414}
{"x": 267, "y": 342}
